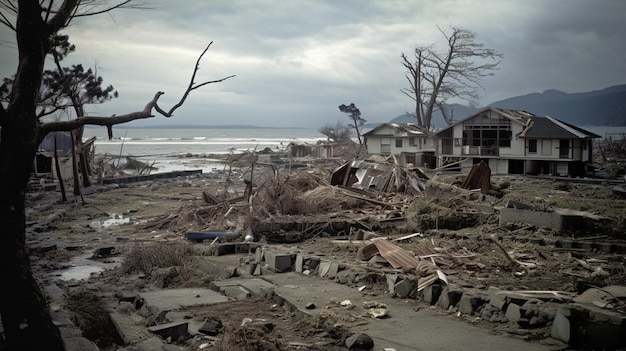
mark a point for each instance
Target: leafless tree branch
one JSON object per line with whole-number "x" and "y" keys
{"x": 109, "y": 122}
{"x": 190, "y": 87}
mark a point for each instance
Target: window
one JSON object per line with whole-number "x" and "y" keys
{"x": 398, "y": 142}
{"x": 412, "y": 141}
{"x": 532, "y": 146}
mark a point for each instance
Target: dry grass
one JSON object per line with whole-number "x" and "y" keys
{"x": 249, "y": 338}
{"x": 88, "y": 313}
{"x": 148, "y": 257}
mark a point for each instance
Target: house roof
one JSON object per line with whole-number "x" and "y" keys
{"x": 552, "y": 128}
{"x": 409, "y": 129}
{"x": 536, "y": 127}
{"x": 518, "y": 116}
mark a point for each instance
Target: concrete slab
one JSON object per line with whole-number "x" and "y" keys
{"x": 405, "y": 328}
{"x": 256, "y": 286}
{"x": 174, "y": 330}
{"x": 174, "y": 299}
{"x": 128, "y": 330}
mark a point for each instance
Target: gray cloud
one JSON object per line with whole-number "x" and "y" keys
{"x": 296, "y": 61}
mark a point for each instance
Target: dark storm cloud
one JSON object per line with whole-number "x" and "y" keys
{"x": 296, "y": 61}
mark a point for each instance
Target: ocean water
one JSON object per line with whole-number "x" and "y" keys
{"x": 190, "y": 148}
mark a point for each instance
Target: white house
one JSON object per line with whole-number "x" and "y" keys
{"x": 515, "y": 142}
{"x": 410, "y": 144}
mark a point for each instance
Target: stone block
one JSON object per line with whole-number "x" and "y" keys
{"x": 332, "y": 270}
{"x": 299, "y": 263}
{"x": 537, "y": 218}
{"x": 404, "y": 288}
{"x": 514, "y": 313}
{"x": 236, "y": 292}
{"x": 432, "y": 293}
{"x": 561, "y": 328}
{"x": 497, "y": 299}
{"x": 174, "y": 330}
{"x": 392, "y": 279}
{"x": 323, "y": 268}
{"x": 278, "y": 262}
{"x": 346, "y": 276}
{"x": 211, "y": 326}
{"x": 359, "y": 342}
{"x": 312, "y": 263}
{"x": 468, "y": 304}
{"x": 129, "y": 331}
{"x": 449, "y": 297}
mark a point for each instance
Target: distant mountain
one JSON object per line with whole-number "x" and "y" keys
{"x": 605, "y": 107}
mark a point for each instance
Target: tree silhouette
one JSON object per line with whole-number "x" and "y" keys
{"x": 25, "y": 316}
{"x": 434, "y": 77}
{"x": 355, "y": 116}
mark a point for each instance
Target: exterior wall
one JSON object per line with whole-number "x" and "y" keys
{"x": 499, "y": 166}
{"x": 383, "y": 142}
{"x": 373, "y": 145}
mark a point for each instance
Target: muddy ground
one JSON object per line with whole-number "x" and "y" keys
{"x": 145, "y": 223}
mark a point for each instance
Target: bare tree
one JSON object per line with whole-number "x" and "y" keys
{"x": 26, "y": 319}
{"x": 355, "y": 116}
{"x": 434, "y": 77}
{"x": 337, "y": 132}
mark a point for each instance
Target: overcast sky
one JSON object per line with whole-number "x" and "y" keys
{"x": 296, "y": 61}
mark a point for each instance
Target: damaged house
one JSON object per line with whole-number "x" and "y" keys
{"x": 515, "y": 142}
{"x": 410, "y": 144}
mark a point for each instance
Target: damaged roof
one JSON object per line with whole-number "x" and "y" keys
{"x": 552, "y": 128}
{"x": 401, "y": 129}
{"x": 385, "y": 177}
{"x": 518, "y": 116}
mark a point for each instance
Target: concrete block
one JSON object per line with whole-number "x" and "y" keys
{"x": 404, "y": 288}
{"x": 346, "y": 276}
{"x": 278, "y": 262}
{"x": 128, "y": 330}
{"x": 359, "y": 342}
{"x": 392, "y": 279}
{"x": 299, "y": 263}
{"x": 174, "y": 299}
{"x": 497, "y": 298}
{"x": 537, "y": 218}
{"x": 174, "y": 330}
{"x": 211, "y": 326}
{"x": 432, "y": 293}
{"x": 312, "y": 263}
{"x": 323, "y": 268}
{"x": 449, "y": 297}
{"x": 332, "y": 270}
{"x": 236, "y": 292}
{"x": 514, "y": 313}
{"x": 468, "y": 304}
{"x": 561, "y": 328}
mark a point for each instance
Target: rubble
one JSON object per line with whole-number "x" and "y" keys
{"x": 387, "y": 232}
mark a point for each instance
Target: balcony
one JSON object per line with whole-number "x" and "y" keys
{"x": 480, "y": 150}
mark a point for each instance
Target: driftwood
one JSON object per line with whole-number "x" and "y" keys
{"x": 524, "y": 265}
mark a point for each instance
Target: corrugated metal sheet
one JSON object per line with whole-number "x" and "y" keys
{"x": 395, "y": 255}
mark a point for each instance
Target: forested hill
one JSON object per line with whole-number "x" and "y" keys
{"x": 606, "y": 107}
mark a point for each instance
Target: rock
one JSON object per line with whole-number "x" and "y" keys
{"x": 212, "y": 326}
{"x": 359, "y": 342}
